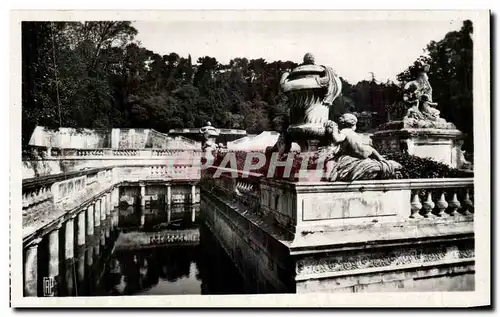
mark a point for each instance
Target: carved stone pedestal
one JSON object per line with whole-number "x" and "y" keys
{"x": 442, "y": 145}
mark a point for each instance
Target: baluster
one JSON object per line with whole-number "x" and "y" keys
{"x": 25, "y": 201}
{"x": 33, "y": 198}
{"x": 415, "y": 206}
{"x": 454, "y": 204}
{"x": 428, "y": 205}
{"x": 468, "y": 204}
{"x": 441, "y": 204}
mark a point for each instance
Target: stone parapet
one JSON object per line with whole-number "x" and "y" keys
{"x": 362, "y": 236}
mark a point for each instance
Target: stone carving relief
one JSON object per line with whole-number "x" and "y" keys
{"x": 393, "y": 258}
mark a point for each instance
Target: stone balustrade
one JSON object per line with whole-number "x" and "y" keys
{"x": 242, "y": 186}
{"x": 68, "y": 153}
{"x": 50, "y": 161}
{"x": 299, "y": 205}
{"x": 169, "y": 152}
{"x": 441, "y": 197}
{"x": 157, "y": 172}
{"x": 37, "y": 199}
{"x": 69, "y": 189}
{"x": 48, "y": 198}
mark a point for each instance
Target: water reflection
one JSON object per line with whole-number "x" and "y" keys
{"x": 184, "y": 268}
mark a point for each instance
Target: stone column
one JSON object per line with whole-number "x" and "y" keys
{"x": 113, "y": 220}
{"x": 103, "y": 206}
{"x": 69, "y": 239}
{"x": 102, "y": 209}
{"x": 143, "y": 195}
{"x": 113, "y": 198}
{"x": 117, "y": 202}
{"x": 31, "y": 268}
{"x": 116, "y": 199}
{"x": 80, "y": 229}
{"x": 69, "y": 280}
{"x": 105, "y": 203}
{"x": 193, "y": 213}
{"x": 97, "y": 213}
{"x": 169, "y": 213}
{"x": 80, "y": 268}
{"x": 193, "y": 194}
{"x": 54, "y": 252}
{"x": 143, "y": 220}
{"x": 89, "y": 256}
{"x": 103, "y": 237}
{"x": 115, "y": 138}
{"x": 168, "y": 199}
{"x": 108, "y": 204}
{"x": 107, "y": 232}
{"x": 90, "y": 220}
{"x": 97, "y": 252}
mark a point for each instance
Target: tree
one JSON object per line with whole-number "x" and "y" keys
{"x": 66, "y": 72}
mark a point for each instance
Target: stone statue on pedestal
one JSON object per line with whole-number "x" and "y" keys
{"x": 422, "y": 131}
{"x": 208, "y": 143}
{"x": 421, "y": 111}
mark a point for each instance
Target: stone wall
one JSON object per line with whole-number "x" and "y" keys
{"x": 260, "y": 258}
{"x": 71, "y": 138}
{"x": 133, "y": 138}
{"x": 117, "y": 138}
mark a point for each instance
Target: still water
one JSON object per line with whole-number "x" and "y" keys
{"x": 127, "y": 260}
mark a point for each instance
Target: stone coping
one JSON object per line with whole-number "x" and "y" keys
{"x": 240, "y": 173}
{"x": 369, "y": 185}
{"x": 197, "y": 131}
{"x": 51, "y": 179}
{"x": 402, "y": 231}
{"x": 430, "y": 132}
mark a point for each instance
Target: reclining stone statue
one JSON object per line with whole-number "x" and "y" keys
{"x": 348, "y": 158}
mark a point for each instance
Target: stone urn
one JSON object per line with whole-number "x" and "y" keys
{"x": 208, "y": 143}
{"x": 310, "y": 89}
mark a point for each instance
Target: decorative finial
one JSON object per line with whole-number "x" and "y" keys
{"x": 308, "y": 59}
{"x": 209, "y": 123}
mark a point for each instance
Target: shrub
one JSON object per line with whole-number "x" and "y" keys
{"x": 418, "y": 167}
{"x": 413, "y": 166}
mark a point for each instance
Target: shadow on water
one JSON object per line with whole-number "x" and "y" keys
{"x": 103, "y": 268}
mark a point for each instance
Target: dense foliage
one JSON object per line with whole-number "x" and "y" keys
{"x": 95, "y": 75}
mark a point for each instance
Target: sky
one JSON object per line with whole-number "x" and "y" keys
{"x": 352, "y": 48}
